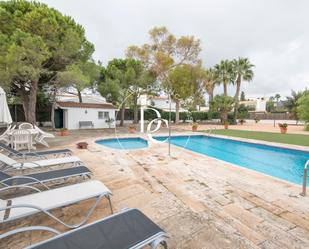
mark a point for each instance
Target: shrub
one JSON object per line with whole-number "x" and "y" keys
{"x": 195, "y": 125}
{"x": 199, "y": 116}
{"x": 183, "y": 116}
{"x": 150, "y": 114}
{"x": 214, "y": 115}
{"x": 303, "y": 108}
{"x": 243, "y": 112}
{"x": 230, "y": 118}
{"x": 283, "y": 125}
{"x": 165, "y": 115}
{"x": 223, "y": 104}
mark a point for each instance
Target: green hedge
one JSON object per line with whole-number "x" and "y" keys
{"x": 196, "y": 116}
{"x": 230, "y": 118}
{"x": 183, "y": 116}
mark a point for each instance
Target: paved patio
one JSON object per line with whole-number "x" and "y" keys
{"x": 200, "y": 201}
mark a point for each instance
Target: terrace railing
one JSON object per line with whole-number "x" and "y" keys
{"x": 305, "y": 179}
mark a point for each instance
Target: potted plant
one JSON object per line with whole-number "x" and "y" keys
{"x": 226, "y": 124}
{"x": 194, "y": 126}
{"x": 82, "y": 145}
{"x": 64, "y": 132}
{"x": 132, "y": 129}
{"x": 242, "y": 121}
{"x": 283, "y": 128}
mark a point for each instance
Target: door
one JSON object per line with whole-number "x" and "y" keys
{"x": 59, "y": 118}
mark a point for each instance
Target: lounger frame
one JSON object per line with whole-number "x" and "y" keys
{"x": 21, "y": 165}
{"x": 154, "y": 241}
{"x": 34, "y": 154}
{"x": 37, "y": 209}
{"x": 42, "y": 182}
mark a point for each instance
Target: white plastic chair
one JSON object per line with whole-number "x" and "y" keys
{"x": 21, "y": 139}
{"x": 5, "y": 136}
{"x": 25, "y": 126}
{"x": 42, "y": 135}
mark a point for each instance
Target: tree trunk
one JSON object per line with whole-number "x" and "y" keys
{"x": 52, "y": 117}
{"x": 238, "y": 83}
{"x": 80, "y": 98}
{"x": 211, "y": 97}
{"x": 25, "y": 106}
{"x": 29, "y": 103}
{"x": 177, "y": 112}
{"x": 225, "y": 88}
{"x": 122, "y": 114}
{"x": 223, "y": 117}
{"x": 135, "y": 108}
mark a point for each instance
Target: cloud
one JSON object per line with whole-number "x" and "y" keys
{"x": 272, "y": 34}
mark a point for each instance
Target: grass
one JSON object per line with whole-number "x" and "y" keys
{"x": 296, "y": 139}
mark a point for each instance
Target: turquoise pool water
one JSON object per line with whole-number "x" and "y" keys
{"x": 286, "y": 164}
{"x": 124, "y": 143}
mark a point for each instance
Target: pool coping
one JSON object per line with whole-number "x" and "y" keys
{"x": 252, "y": 141}
{"x": 126, "y": 137}
{"x": 240, "y": 167}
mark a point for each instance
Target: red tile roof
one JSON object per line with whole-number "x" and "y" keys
{"x": 85, "y": 105}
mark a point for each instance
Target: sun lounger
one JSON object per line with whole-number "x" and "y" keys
{"x": 15, "y": 153}
{"x": 44, "y": 201}
{"x": 129, "y": 229}
{"x": 10, "y": 163}
{"x": 43, "y": 177}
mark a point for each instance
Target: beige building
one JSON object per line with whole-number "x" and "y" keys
{"x": 257, "y": 105}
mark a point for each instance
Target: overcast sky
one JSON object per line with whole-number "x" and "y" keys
{"x": 273, "y": 34}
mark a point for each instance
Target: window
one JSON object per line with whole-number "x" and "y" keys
{"x": 103, "y": 115}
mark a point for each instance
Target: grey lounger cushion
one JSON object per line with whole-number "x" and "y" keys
{"x": 46, "y": 176}
{"x": 34, "y": 154}
{"x": 49, "y": 152}
{"x": 127, "y": 229}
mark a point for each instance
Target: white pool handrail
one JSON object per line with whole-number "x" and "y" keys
{"x": 305, "y": 179}
{"x": 210, "y": 130}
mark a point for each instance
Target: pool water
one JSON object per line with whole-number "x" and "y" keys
{"x": 286, "y": 164}
{"x": 124, "y": 143}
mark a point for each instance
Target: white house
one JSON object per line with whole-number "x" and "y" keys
{"x": 73, "y": 115}
{"x": 258, "y": 105}
{"x": 160, "y": 102}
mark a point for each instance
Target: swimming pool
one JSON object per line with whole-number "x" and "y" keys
{"x": 286, "y": 164}
{"x": 124, "y": 143}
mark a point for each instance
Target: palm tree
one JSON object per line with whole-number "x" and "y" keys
{"x": 291, "y": 103}
{"x": 243, "y": 71}
{"x": 225, "y": 74}
{"x": 223, "y": 104}
{"x": 277, "y": 97}
{"x": 210, "y": 79}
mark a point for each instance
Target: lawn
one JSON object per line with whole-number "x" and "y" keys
{"x": 296, "y": 139}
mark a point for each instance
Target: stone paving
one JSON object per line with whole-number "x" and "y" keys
{"x": 200, "y": 201}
